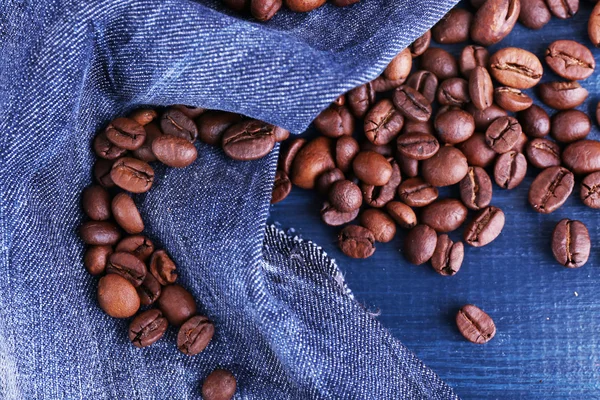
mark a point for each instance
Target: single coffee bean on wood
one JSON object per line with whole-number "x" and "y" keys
{"x": 475, "y": 325}
{"x": 484, "y": 118}
{"x": 516, "y": 68}
{"x": 356, "y": 241}
{"x": 571, "y": 243}
{"x": 563, "y": 9}
{"x": 360, "y": 99}
{"x": 312, "y": 160}
{"x": 420, "y": 45}
{"x": 412, "y": 104}
{"x": 163, "y": 268}
{"x": 126, "y": 214}
{"x": 383, "y": 123}
{"x": 128, "y": 266}
{"x": 176, "y": 123}
{"x": 174, "y": 151}
{"x": 177, "y": 304}
{"x": 510, "y": 170}
{"x": 447, "y": 167}
{"x": 472, "y": 56}
{"x": 379, "y": 223}
{"x": 95, "y": 259}
{"x": 562, "y": 95}
{"x": 144, "y": 152}
{"x": 481, "y": 88}
{"x": 415, "y": 192}
{"x": 448, "y": 256}
{"x": 282, "y": 186}
{"x": 570, "y": 60}
{"x": 328, "y": 178}
{"x": 570, "y": 125}
{"x": 102, "y": 170}
{"x": 419, "y": 244}
{"x": 402, "y": 214}
{"x": 512, "y": 100}
{"x": 379, "y": 196}
{"x": 212, "y": 125}
{"x": 485, "y": 227}
{"x": 372, "y": 168}
{"x": 590, "y": 190}
{"x": 476, "y": 188}
{"x": 582, "y": 157}
{"x": 550, "y": 189}
{"x": 454, "y": 126}
{"x": 454, "y": 92}
{"x": 543, "y": 153}
{"x": 99, "y": 233}
{"x": 287, "y": 155}
{"x": 477, "y": 152}
{"x": 117, "y": 297}
{"x": 534, "y": 121}
{"x": 334, "y": 217}
{"x": 138, "y": 245}
{"x": 96, "y": 203}
{"x": 503, "y": 134}
{"x": 534, "y": 14}
{"x": 147, "y": 328}
{"x": 248, "y": 140}
{"x": 106, "y": 149}
{"x": 219, "y": 385}
{"x": 143, "y": 116}
{"x": 149, "y": 291}
{"x": 440, "y": 62}
{"x": 454, "y": 27}
{"x": 133, "y": 175}
{"x": 594, "y": 26}
{"x": 194, "y": 335}
{"x": 494, "y": 20}
{"x": 444, "y": 215}
{"x": 125, "y": 133}
{"x": 424, "y": 82}
{"x": 418, "y": 146}
{"x": 345, "y": 195}
{"x": 335, "y": 121}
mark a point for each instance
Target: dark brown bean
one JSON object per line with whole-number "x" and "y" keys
{"x": 454, "y": 27}
{"x": 550, "y": 189}
{"x": 333, "y": 217}
{"x": 248, "y": 140}
{"x": 194, "y": 335}
{"x": 147, "y": 328}
{"x": 412, "y": 104}
{"x": 282, "y": 186}
{"x": 95, "y": 201}
{"x": 143, "y": 116}
{"x": 444, "y": 215}
{"x": 448, "y": 256}
{"x": 95, "y": 259}
{"x": 447, "y": 167}
{"x": 102, "y": 170}
{"x": 125, "y": 133}
{"x": 424, "y": 82}
{"x": 485, "y": 227}
{"x": 419, "y": 244}
{"x": 402, "y": 214}
{"x": 219, "y": 385}
{"x": 335, "y": 121}
{"x": 128, "y": 266}
{"x": 133, "y": 175}
{"x": 345, "y": 196}
{"x": 328, "y": 178}
{"x": 590, "y": 190}
{"x": 510, "y": 170}
{"x": 494, "y": 20}
{"x": 420, "y": 45}
{"x": 570, "y": 60}
{"x": 534, "y": 14}
{"x": 563, "y": 95}
{"x": 418, "y": 146}
{"x": 174, "y": 151}
{"x": 516, "y": 68}
{"x": 106, "y": 149}
{"x": 372, "y": 168}
{"x": 415, "y": 192}
{"x": 454, "y": 92}
{"x": 534, "y": 121}
{"x": 563, "y": 9}
{"x": 360, "y": 99}
{"x": 484, "y": 118}
{"x": 174, "y": 122}
{"x": 280, "y": 134}
{"x": 476, "y": 189}
{"x": 286, "y": 158}
{"x": 477, "y": 151}
{"x": 454, "y": 126}
{"x": 571, "y": 243}
{"x": 570, "y": 125}
{"x": 475, "y": 325}
{"x": 512, "y": 100}
{"x": 481, "y": 88}
{"x": 473, "y": 56}
{"x": 383, "y": 123}
{"x": 312, "y": 160}
{"x": 138, "y": 245}
{"x": 379, "y": 223}
{"x": 99, "y": 233}
{"x": 543, "y": 153}
{"x": 357, "y": 242}
{"x": 117, "y": 296}
{"x": 177, "y": 304}
{"x": 503, "y": 134}
{"x": 149, "y": 291}
{"x": 421, "y": 127}
{"x": 522, "y": 141}
{"x": 440, "y": 62}
{"x": 144, "y": 152}
{"x": 212, "y": 125}
{"x": 582, "y": 157}
{"x": 163, "y": 268}
{"x": 379, "y": 196}
{"x": 264, "y": 10}
{"x": 126, "y": 214}
{"x": 408, "y": 166}
{"x": 400, "y": 66}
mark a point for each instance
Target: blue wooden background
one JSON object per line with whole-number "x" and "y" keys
{"x": 548, "y": 317}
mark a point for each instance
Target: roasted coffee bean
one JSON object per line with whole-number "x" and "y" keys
{"x": 176, "y": 123}
{"x": 582, "y": 157}
{"x": 128, "y": 266}
{"x": 454, "y": 27}
{"x": 149, "y": 291}
{"x": 147, "y": 328}
{"x": 304, "y": 5}
{"x": 328, "y": 178}
{"x": 510, "y": 170}
{"x": 447, "y": 167}
{"x": 412, "y": 104}
{"x": 516, "y": 68}
{"x": 312, "y": 160}
{"x": 454, "y": 126}
{"x": 477, "y": 151}
{"x": 485, "y": 227}
{"x": 379, "y": 196}
{"x": 563, "y": 9}
{"x": 219, "y": 385}
{"x": 571, "y": 243}
{"x": 345, "y": 196}
{"x": 144, "y": 152}
{"x": 106, "y": 149}
{"x": 96, "y": 203}
{"x": 125, "y": 133}
{"x": 415, "y": 192}
{"x": 570, "y": 125}
{"x": 335, "y": 121}
{"x": 102, "y": 170}
{"x": 99, "y": 233}
{"x": 594, "y": 26}
{"x": 494, "y": 20}
{"x": 419, "y": 244}
{"x": 440, "y": 62}
{"x": 163, "y": 268}
{"x": 563, "y": 95}
{"x": 570, "y": 60}
{"x": 357, "y": 242}
{"x": 361, "y": 99}
{"x": 117, "y": 296}
{"x": 95, "y": 259}
{"x": 424, "y": 82}
{"x": 402, "y": 214}
{"x": 481, "y": 88}
{"x": 408, "y": 166}
{"x": 534, "y": 13}
{"x": 143, "y": 116}
{"x": 383, "y": 123}
{"x": 512, "y": 100}
{"x": 421, "y": 127}
{"x": 534, "y": 121}
{"x": 444, "y": 215}
{"x": 126, "y": 214}
{"x": 177, "y": 304}
{"x": 522, "y": 141}
{"x": 379, "y": 223}
{"x": 138, "y": 245}
{"x": 264, "y": 10}
{"x": 473, "y": 56}
{"x": 281, "y": 187}
{"x": 372, "y": 168}
{"x": 448, "y": 256}
{"x": 418, "y": 146}
{"x": 194, "y": 335}
{"x": 503, "y": 134}
{"x": 384, "y": 149}
{"x": 590, "y": 190}
{"x": 484, "y": 118}
{"x": 248, "y": 140}
{"x": 334, "y": 217}
{"x": 420, "y": 45}
{"x": 287, "y": 155}
{"x": 550, "y": 189}
{"x": 476, "y": 189}
{"x": 133, "y": 175}
{"x": 400, "y": 66}
{"x": 213, "y": 124}
{"x": 174, "y": 151}
{"x": 190, "y": 111}
{"x": 453, "y": 92}
{"x": 281, "y": 134}
{"x": 543, "y": 153}
{"x": 475, "y": 325}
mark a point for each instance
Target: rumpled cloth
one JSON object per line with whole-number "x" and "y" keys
{"x": 286, "y": 325}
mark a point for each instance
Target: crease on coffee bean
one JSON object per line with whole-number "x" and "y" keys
{"x": 480, "y": 224}
{"x": 477, "y": 327}
{"x": 591, "y": 191}
{"x": 138, "y": 174}
{"x": 129, "y": 273}
{"x": 568, "y": 244}
{"x": 568, "y": 59}
{"x": 247, "y": 134}
{"x": 131, "y": 136}
{"x": 415, "y": 103}
{"x": 517, "y": 68}
{"x": 545, "y": 147}
{"x": 512, "y": 172}
{"x": 474, "y": 185}
{"x": 556, "y": 182}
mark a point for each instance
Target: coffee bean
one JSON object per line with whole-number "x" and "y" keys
{"x": 163, "y": 268}
{"x": 96, "y": 203}
{"x": 550, "y": 189}
{"x": 383, "y": 123}
{"x": 444, "y": 215}
{"x": 447, "y": 167}
{"x": 248, "y": 140}
{"x": 475, "y": 325}
{"x": 384, "y": 149}
{"x": 106, "y": 149}
{"x": 454, "y": 27}
{"x": 481, "y": 88}
{"x": 419, "y": 244}
{"x": 516, "y": 68}
{"x": 477, "y": 152}
{"x": 570, "y": 125}
{"x": 149, "y": 291}
{"x": 412, "y": 104}
{"x": 522, "y": 141}
{"x": 138, "y": 245}
{"x": 418, "y": 127}
{"x": 176, "y": 123}
{"x": 194, "y": 335}
{"x": 99, "y": 233}
{"x": 440, "y": 62}
{"x": 143, "y": 116}
{"x": 454, "y": 92}
{"x": 594, "y": 26}
{"x": 534, "y": 14}
{"x": 117, "y": 296}
{"x": 424, "y": 82}
{"x": 281, "y": 187}
{"x": 177, "y": 304}
{"x": 400, "y": 66}
{"x": 327, "y": 179}
{"x": 334, "y": 217}
{"x": 372, "y": 168}
{"x": 448, "y": 256}
{"x": 95, "y": 259}
{"x": 133, "y": 175}
{"x": 570, "y": 60}
{"x": 415, "y": 192}
{"x": 563, "y": 95}
{"x": 476, "y": 189}
{"x": 485, "y": 227}
{"x": 287, "y": 154}
{"x": 102, "y": 170}
{"x": 357, "y": 242}
{"x": 472, "y": 56}
{"x": 379, "y": 196}
{"x": 563, "y": 9}
{"x": 174, "y": 151}
{"x": 543, "y": 153}
{"x": 335, "y": 121}
{"x": 402, "y": 214}
{"x": 280, "y": 134}
{"x": 454, "y": 126}
{"x": 189, "y": 111}
{"x": 534, "y": 121}
{"x": 213, "y": 124}
{"x": 128, "y": 266}
{"x": 510, "y": 170}
{"x": 503, "y": 134}
{"x": 345, "y": 196}
{"x": 126, "y": 214}
{"x": 264, "y": 10}
{"x": 582, "y": 157}
{"x": 420, "y": 45}
{"x": 418, "y": 146}
{"x": 380, "y": 224}
{"x": 125, "y": 133}
{"x": 571, "y": 243}
{"x": 512, "y": 100}
{"x": 361, "y": 99}
{"x": 590, "y": 190}
{"x": 408, "y": 166}
{"x": 494, "y": 20}
{"x": 144, "y": 152}
{"x": 312, "y": 160}
{"x": 147, "y": 328}
{"x": 484, "y": 118}
{"x": 219, "y": 385}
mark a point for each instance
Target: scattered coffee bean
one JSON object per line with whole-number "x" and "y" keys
{"x": 594, "y": 26}
{"x": 399, "y": 68}
{"x": 447, "y": 167}
{"x": 473, "y": 56}
{"x": 476, "y": 189}
{"x": 128, "y": 266}
{"x": 383, "y": 123}
{"x": 484, "y": 118}
{"x": 481, "y": 88}
{"x": 454, "y": 126}
{"x": 357, "y": 242}
{"x": 510, "y": 170}
{"x": 512, "y": 100}
{"x": 281, "y": 187}
{"x": 408, "y": 166}
{"x": 96, "y": 203}
{"x": 418, "y": 146}
{"x": 126, "y": 214}
{"x": 174, "y": 151}
{"x": 213, "y": 124}
{"x": 582, "y": 157}
{"x": 475, "y": 325}
{"x": 420, "y": 45}
{"x": 248, "y": 140}
{"x": 177, "y": 304}
{"x": 570, "y": 125}
{"x": 288, "y": 154}
{"x": 543, "y": 153}
{"x": 485, "y": 227}
{"x": 312, "y": 160}
{"x": 372, "y": 168}
{"x": 522, "y": 141}
{"x": 345, "y": 196}
{"x": 440, "y": 62}
{"x": 516, "y": 68}
{"x": 125, "y": 133}
{"x": 143, "y": 116}
{"x": 106, "y": 149}
{"x": 95, "y": 259}
{"x": 454, "y": 92}
{"x": 563, "y": 95}
{"x": 99, "y": 233}
{"x": 494, "y": 20}
{"x": 334, "y": 217}
{"x": 419, "y": 244}
{"x": 454, "y": 27}
{"x": 176, "y": 123}
{"x": 570, "y": 60}
{"x": 335, "y": 121}
{"x": 379, "y": 223}
{"x": 327, "y": 179}
{"x": 590, "y": 190}
{"x": 133, "y": 175}
{"x": 448, "y": 256}
{"x": 219, "y": 385}
{"x": 402, "y": 214}
{"x": 144, "y": 152}
{"x": 138, "y": 245}
{"x": 360, "y": 99}
{"x": 379, "y": 196}
{"x": 194, "y": 335}
{"x": 415, "y": 192}
{"x": 535, "y": 121}
{"x": 424, "y": 82}
{"x": 385, "y": 150}
{"x": 163, "y": 268}
{"x": 477, "y": 152}
{"x": 534, "y": 14}
{"x": 571, "y": 243}
{"x": 503, "y": 134}
{"x": 147, "y": 328}
{"x": 550, "y": 189}
{"x": 444, "y": 215}
{"x": 149, "y": 291}
{"x": 102, "y": 170}
{"x": 412, "y": 104}
{"x": 117, "y": 296}
{"x": 264, "y": 10}
{"x": 563, "y": 9}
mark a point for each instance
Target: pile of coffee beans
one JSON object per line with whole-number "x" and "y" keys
{"x": 264, "y": 10}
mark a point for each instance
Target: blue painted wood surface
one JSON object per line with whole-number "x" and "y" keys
{"x": 548, "y": 317}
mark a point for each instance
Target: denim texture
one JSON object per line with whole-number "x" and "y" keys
{"x": 286, "y": 325}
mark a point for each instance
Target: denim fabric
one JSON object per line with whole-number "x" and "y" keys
{"x": 286, "y": 326}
